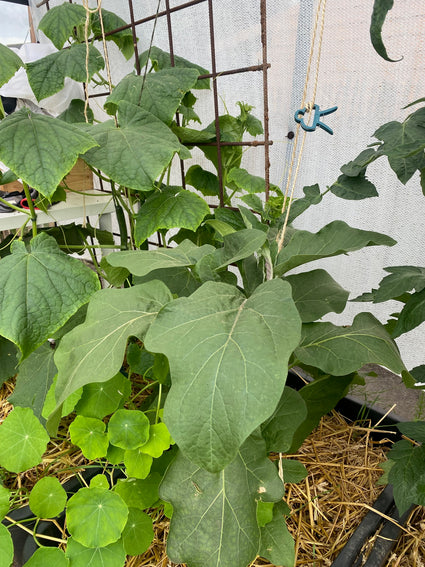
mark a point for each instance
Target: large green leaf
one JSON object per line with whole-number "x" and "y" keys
{"x": 214, "y": 519}
{"x": 353, "y": 188}
{"x": 412, "y": 314}
{"x": 246, "y": 181}
{"x": 113, "y": 316}
{"x": 59, "y": 22}
{"x": 40, "y": 149}
{"x": 6, "y": 547}
{"x": 169, "y": 207}
{"x": 112, "y": 555}
{"x": 180, "y": 281}
{"x": 333, "y": 239}
{"x": 380, "y": 11}
{"x": 40, "y": 288}
{"x": 159, "y": 93}
{"x": 277, "y": 544}
{"x": 75, "y": 111}
{"x": 341, "y": 350}
{"x": 316, "y": 293}
{"x": 135, "y": 154}
{"x": 123, "y": 39}
{"x": 9, "y": 360}
{"x": 10, "y": 63}
{"x": 34, "y": 380}
{"x": 103, "y": 398}
{"x": 241, "y": 244}
{"x": 47, "y": 498}
{"x": 400, "y": 280}
{"x": 47, "y": 557}
{"x": 204, "y": 181}
{"x": 47, "y": 75}
{"x": 407, "y": 475}
{"x": 228, "y": 359}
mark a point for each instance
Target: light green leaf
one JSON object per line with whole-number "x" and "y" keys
{"x": 380, "y": 11}
{"x": 279, "y": 429}
{"x": 103, "y": 398}
{"x": 332, "y": 240}
{"x": 203, "y": 180}
{"x": 277, "y": 545}
{"x": 96, "y": 517}
{"x": 353, "y": 188}
{"x": 137, "y": 463}
{"x": 112, "y": 555}
{"x": 47, "y": 498}
{"x": 4, "y": 501}
{"x": 9, "y": 360}
{"x": 139, "y": 493}
{"x": 123, "y": 39}
{"x": 159, "y": 440}
{"x": 162, "y": 60}
{"x": 10, "y": 63}
{"x": 39, "y": 149}
{"x": 99, "y": 481}
{"x": 143, "y": 262}
{"x": 113, "y": 316}
{"x": 128, "y": 429}
{"x": 59, "y": 22}
{"x": 40, "y": 288}
{"x": 169, "y": 207}
{"x": 159, "y": 93}
{"x": 264, "y": 513}
{"x": 115, "y": 455}
{"x": 74, "y": 114}
{"x": 23, "y": 440}
{"x": 215, "y": 514}
{"x": 246, "y": 181}
{"x": 135, "y": 154}
{"x": 47, "y": 75}
{"x": 89, "y": 434}
{"x": 233, "y": 367}
{"x": 6, "y": 547}
{"x": 34, "y": 380}
{"x": 358, "y": 165}
{"x": 316, "y": 293}
{"x": 407, "y": 475}
{"x": 138, "y": 533}
{"x": 47, "y": 557}
{"x": 412, "y": 314}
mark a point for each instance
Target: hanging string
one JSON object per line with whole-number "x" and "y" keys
{"x": 291, "y": 181}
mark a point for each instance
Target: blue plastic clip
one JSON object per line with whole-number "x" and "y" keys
{"x": 316, "y": 119}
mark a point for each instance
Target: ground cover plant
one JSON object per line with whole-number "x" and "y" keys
{"x": 212, "y": 320}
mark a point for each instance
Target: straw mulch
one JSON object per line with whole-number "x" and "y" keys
{"x": 343, "y": 465}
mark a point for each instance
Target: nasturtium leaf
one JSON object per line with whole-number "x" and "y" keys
{"x": 380, "y": 11}
{"x": 353, "y": 188}
{"x": 128, "y": 429}
{"x": 47, "y": 557}
{"x": 89, "y": 434}
{"x": 357, "y": 166}
{"x": 159, "y": 440}
{"x": 123, "y": 39}
{"x": 316, "y": 293}
{"x": 47, "y": 498}
{"x": 112, "y": 555}
{"x": 279, "y": 429}
{"x": 341, "y": 350}
{"x": 6, "y": 547}
{"x": 159, "y": 93}
{"x": 293, "y": 471}
{"x": 412, "y": 314}
{"x": 39, "y": 149}
{"x": 74, "y": 114}
{"x": 407, "y": 475}
{"x": 137, "y": 464}
{"x": 139, "y": 493}
{"x": 138, "y": 533}
{"x": 9, "y": 360}
{"x": 59, "y": 22}
{"x": 29, "y": 315}
{"x": 162, "y": 60}
{"x": 215, "y": 514}
{"x": 35, "y": 377}
{"x": 10, "y": 63}
{"x": 47, "y": 75}
{"x": 204, "y": 181}
{"x": 103, "y": 398}
{"x": 96, "y": 517}
{"x": 143, "y": 262}
{"x": 23, "y": 440}
{"x": 169, "y": 207}
{"x": 277, "y": 544}
{"x": 99, "y": 481}
{"x": 115, "y": 455}
{"x": 226, "y": 380}
{"x": 113, "y": 316}
{"x": 4, "y": 501}
{"x": 135, "y": 154}
{"x": 333, "y": 239}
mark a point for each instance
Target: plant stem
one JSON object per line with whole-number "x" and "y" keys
{"x": 31, "y": 208}
{"x": 158, "y": 407}
{"x": 14, "y": 207}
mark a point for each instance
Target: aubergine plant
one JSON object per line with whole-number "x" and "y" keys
{"x": 213, "y": 320}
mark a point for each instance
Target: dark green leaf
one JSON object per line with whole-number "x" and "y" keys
{"x": 128, "y": 429}
{"x": 203, "y": 180}
{"x": 245, "y": 181}
{"x": 400, "y": 280}
{"x": 357, "y": 166}
{"x": 277, "y": 544}
{"x": 71, "y": 236}
{"x": 298, "y": 206}
{"x": 240, "y": 245}
{"x": 59, "y": 22}
{"x": 123, "y": 39}
{"x": 215, "y": 514}
{"x": 75, "y": 111}
{"x": 412, "y": 314}
{"x": 192, "y": 137}
{"x": 316, "y": 293}
{"x": 353, "y": 188}
{"x": 380, "y": 11}
{"x": 103, "y": 398}
{"x": 139, "y": 493}
{"x": 293, "y": 471}
{"x": 10, "y": 63}
{"x": 47, "y": 75}
{"x": 9, "y": 360}
{"x": 236, "y": 371}
{"x": 413, "y": 429}
{"x": 407, "y": 475}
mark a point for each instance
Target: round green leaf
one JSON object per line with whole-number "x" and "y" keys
{"x": 47, "y": 498}
{"x": 128, "y": 429}
{"x": 103, "y": 398}
{"x": 138, "y": 464}
{"x": 4, "y": 501}
{"x": 6, "y": 547}
{"x": 23, "y": 440}
{"x": 138, "y": 533}
{"x": 96, "y": 517}
{"x": 139, "y": 493}
{"x": 47, "y": 557}
{"x": 110, "y": 556}
{"x": 159, "y": 440}
{"x": 115, "y": 455}
{"x": 99, "y": 481}
{"x": 88, "y": 433}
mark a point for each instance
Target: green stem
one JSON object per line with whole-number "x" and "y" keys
{"x": 31, "y": 208}
{"x": 158, "y": 407}
{"x": 14, "y": 207}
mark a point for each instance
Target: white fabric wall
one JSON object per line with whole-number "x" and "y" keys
{"x": 368, "y": 91}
